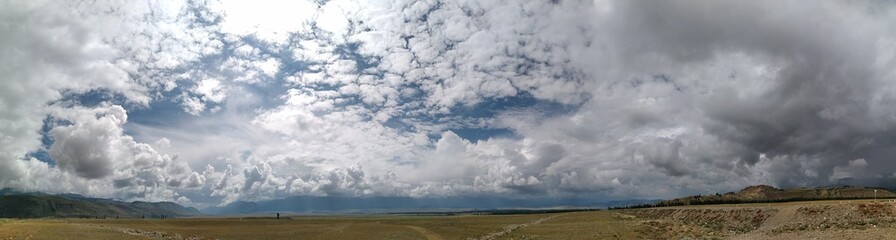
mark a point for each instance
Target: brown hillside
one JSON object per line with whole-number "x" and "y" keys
{"x": 765, "y": 193}
{"x": 848, "y": 219}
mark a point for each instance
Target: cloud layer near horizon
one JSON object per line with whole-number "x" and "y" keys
{"x": 207, "y": 103}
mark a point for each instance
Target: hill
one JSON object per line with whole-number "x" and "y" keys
{"x": 37, "y": 205}
{"x": 765, "y": 193}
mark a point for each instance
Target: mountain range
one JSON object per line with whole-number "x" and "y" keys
{"x": 35, "y": 205}
{"x": 38, "y": 205}
{"x": 337, "y": 204}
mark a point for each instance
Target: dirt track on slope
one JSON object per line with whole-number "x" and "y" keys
{"x": 425, "y": 232}
{"x": 510, "y": 228}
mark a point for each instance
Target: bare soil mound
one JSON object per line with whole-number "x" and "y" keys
{"x": 773, "y": 221}
{"x": 677, "y": 223}
{"x": 851, "y": 216}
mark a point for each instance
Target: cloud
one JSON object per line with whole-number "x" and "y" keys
{"x": 95, "y": 147}
{"x": 94, "y": 157}
{"x": 852, "y": 169}
{"x": 793, "y": 91}
{"x": 349, "y": 181}
{"x": 269, "y": 20}
{"x": 193, "y": 105}
{"x": 211, "y": 90}
{"x": 91, "y": 146}
{"x": 163, "y": 143}
{"x": 249, "y": 65}
{"x": 206, "y": 92}
{"x": 662, "y": 94}
{"x": 608, "y": 99}
{"x": 44, "y": 53}
{"x": 56, "y": 52}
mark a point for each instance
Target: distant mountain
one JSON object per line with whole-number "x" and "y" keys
{"x": 336, "y": 204}
{"x": 765, "y": 193}
{"x": 38, "y": 205}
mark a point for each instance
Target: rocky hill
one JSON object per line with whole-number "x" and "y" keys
{"x": 765, "y": 193}
{"x": 36, "y": 205}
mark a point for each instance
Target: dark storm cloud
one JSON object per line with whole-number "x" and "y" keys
{"x": 826, "y": 99}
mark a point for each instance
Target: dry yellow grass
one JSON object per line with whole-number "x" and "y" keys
{"x": 56, "y": 229}
{"x": 580, "y": 225}
{"x": 588, "y": 225}
{"x": 776, "y": 221}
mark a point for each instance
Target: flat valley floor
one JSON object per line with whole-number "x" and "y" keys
{"x": 854, "y": 219}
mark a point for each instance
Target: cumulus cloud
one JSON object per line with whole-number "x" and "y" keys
{"x": 90, "y": 147}
{"x": 206, "y": 92}
{"x": 55, "y": 51}
{"x": 95, "y": 147}
{"x": 39, "y": 61}
{"x": 211, "y": 90}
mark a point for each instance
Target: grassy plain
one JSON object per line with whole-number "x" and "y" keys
{"x": 835, "y": 219}
{"x": 55, "y": 229}
{"x": 573, "y": 225}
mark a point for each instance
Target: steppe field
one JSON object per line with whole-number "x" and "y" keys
{"x": 854, "y": 219}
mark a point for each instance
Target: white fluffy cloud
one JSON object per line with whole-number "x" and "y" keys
{"x": 93, "y": 156}
{"x": 90, "y": 147}
{"x": 39, "y": 61}
{"x": 94, "y": 146}
{"x": 270, "y": 20}
{"x": 56, "y": 50}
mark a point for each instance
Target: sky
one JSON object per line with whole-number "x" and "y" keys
{"x": 205, "y": 103}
